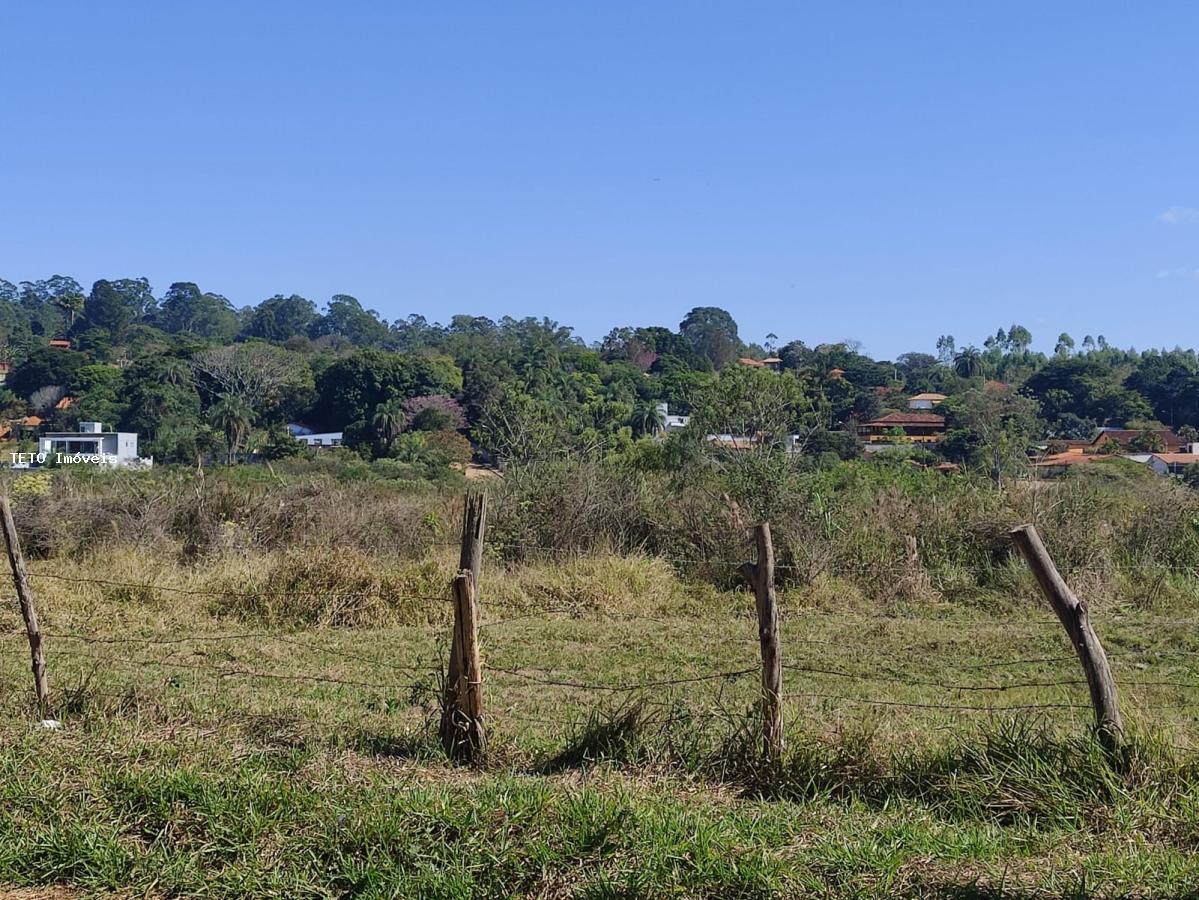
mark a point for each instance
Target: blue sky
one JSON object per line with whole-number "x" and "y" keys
{"x": 887, "y": 172}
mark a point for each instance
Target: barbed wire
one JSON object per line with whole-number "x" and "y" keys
{"x": 624, "y": 687}
{"x": 529, "y": 610}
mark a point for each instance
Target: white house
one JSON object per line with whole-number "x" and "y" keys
{"x": 305, "y": 434}
{"x": 1173, "y": 463}
{"x": 926, "y": 401}
{"x": 672, "y": 423}
{"x": 326, "y": 439}
{"x": 92, "y": 444}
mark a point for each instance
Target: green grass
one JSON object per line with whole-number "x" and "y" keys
{"x": 208, "y": 750}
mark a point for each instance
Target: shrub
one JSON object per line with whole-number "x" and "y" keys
{"x": 339, "y": 589}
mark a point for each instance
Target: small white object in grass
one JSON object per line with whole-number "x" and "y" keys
{"x": 51, "y": 724}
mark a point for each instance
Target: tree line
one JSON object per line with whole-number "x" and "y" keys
{"x": 199, "y": 378}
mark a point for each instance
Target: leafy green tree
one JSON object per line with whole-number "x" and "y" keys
{"x": 434, "y": 412}
{"x": 350, "y": 388}
{"x": 106, "y": 309}
{"x": 946, "y": 349}
{"x": 1064, "y": 345}
{"x": 185, "y": 309}
{"x": 1000, "y": 423}
{"x": 1019, "y": 339}
{"x": 345, "y": 316}
{"x": 1170, "y": 382}
{"x": 1147, "y": 441}
{"x": 516, "y": 428}
{"x": 280, "y": 443}
{"x": 162, "y": 405}
{"x": 279, "y": 318}
{"x": 760, "y": 407}
{"x": 44, "y": 366}
{"x": 712, "y": 333}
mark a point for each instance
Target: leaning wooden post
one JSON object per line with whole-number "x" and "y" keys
{"x": 760, "y": 577}
{"x": 41, "y": 684}
{"x": 462, "y": 731}
{"x": 470, "y": 559}
{"x": 1072, "y": 613}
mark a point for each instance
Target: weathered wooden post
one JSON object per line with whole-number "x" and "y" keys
{"x": 1072, "y": 613}
{"x": 459, "y": 736}
{"x": 760, "y": 577}
{"x": 462, "y": 731}
{"x": 470, "y": 558}
{"x": 16, "y": 559}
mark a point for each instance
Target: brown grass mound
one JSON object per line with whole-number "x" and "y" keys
{"x": 340, "y": 588}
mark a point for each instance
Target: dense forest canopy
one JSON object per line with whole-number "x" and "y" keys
{"x": 197, "y": 377}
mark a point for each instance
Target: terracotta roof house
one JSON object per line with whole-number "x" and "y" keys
{"x": 923, "y": 428}
{"x": 752, "y": 363}
{"x": 1125, "y": 437}
{"x": 1172, "y": 463}
{"x": 926, "y": 400}
{"x": 1063, "y": 460}
{"x": 60, "y": 344}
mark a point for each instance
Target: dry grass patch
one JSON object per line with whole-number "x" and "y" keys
{"x": 616, "y": 584}
{"x": 339, "y": 589}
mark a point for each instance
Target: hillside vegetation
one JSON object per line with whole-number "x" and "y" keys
{"x": 246, "y": 664}
{"x": 199, "y": 379}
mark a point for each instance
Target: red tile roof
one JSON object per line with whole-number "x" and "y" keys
{"x": 1178, "y": 458}
{"x": 1067, "y": 459}
{"x": 1125, "y": 436}
{"x": 907, "y": 418}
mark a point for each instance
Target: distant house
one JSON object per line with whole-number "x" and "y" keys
{"x": 919, "y": 427}
{"x": 1058, "y": 463}
{"x": 327, "y": 439}
{"x": 311, "y": 438}
{"x": 1115, "y": 439}
{"x": 672, "y": 423}
{"x": 751, "y": 363}
{"x": 114, "y": 448}
{"x": 1172, "y": 463}
{"x": 60, "y": 344}
{"x": 5, "y": 368}
{"x": 926, "y": 401}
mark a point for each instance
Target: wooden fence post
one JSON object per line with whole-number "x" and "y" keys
{"x": 760, "y": 577}
{"x": 41, "y": 684}
{"x": 462, "y": 731}
{"x": 470, "y": 559}
{"x": 1072, "y": 613}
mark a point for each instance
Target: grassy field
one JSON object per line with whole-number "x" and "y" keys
{"x": 228, "y": 732}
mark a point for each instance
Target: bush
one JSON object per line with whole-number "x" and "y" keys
{"x": 451, "y": 445}
{"x": 340, "y": 588}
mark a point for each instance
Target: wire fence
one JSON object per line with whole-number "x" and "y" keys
{"x": 882, "y": 680}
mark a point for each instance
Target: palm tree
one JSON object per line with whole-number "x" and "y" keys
{"x": 647, "y": 418}
{"x": 389, "y": 422}
{"x": 234, "y": 417}
{"x": 174, "y": 371}
{"x": 968, "y": 363}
